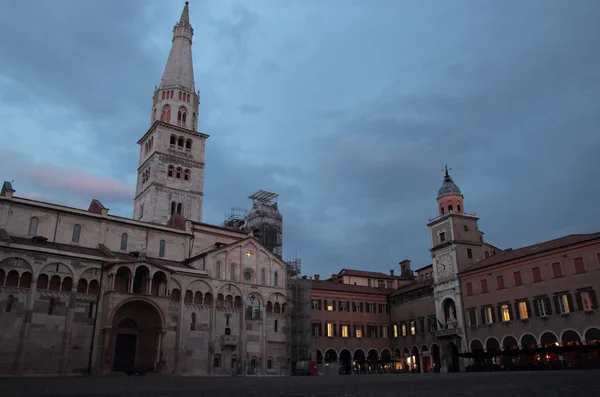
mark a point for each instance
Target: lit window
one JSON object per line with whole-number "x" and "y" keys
{"x": 523, "y": 312}
{"x": 395, "y": 330}
{"x": 413, "y": 328}
{"x": 330, "y": 327}
{"x": 403, "y": 329}
{"x": 330, "y": 306}
{"x": 586, "y": 300}
{"x": 487, "y": 315}
{"x": 358, "y": 332}
{"x": 384, "y": 331}
{"x": 505, "y": 312}
{"x": 344, "y": 331}
{"x": 563, "y": 304}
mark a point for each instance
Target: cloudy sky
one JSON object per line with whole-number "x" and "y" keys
{"x": 348, "y": 109}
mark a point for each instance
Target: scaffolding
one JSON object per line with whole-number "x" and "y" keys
{"x": 300, "y": 332}
{"x": 236, "y": 218}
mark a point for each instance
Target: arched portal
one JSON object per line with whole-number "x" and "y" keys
{"x": 346, "y": 362}
{"x": 435, "y": 358}
{"x": 451, "y": 357}
{"x": 359, "y": 360}
{"x": 134, "y": 337}
{"x": 331, "y": 356}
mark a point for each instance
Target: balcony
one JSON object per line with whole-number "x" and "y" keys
{"x": 229, "y": 341}
{"x": 448, "y": 333}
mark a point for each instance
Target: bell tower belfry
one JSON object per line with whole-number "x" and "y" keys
{"x": 171, "y": 164}
{"x": 455, "y": 245}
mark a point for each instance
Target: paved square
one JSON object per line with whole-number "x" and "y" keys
{"x": 550, "y": 383}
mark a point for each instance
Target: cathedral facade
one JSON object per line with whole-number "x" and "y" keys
{"x": 84, "y": 291}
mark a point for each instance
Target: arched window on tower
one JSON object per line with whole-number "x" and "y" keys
{"x": 450, "y": 208}
{"x": 188, "y": 145}
{"x": 188, "y": 98}
{"x": 458, "y": 207}
{"x": 180, "y": 143}
{"x": 183, "y": 119}
{"x": 442, "y": 210}
{"x": 173, "y": 207}
{"x": 124, "y": 242}
{"x": 170, "y": 171}
{"x": 179, "y": 117}
{"x": 179, "y": 208}
{"x": 182, "y": 116}
{"x": 171, "y": 93}
{"x": 186, "y": 175}
{"x": 178, "y": 173}
{"x": 166, "y": 114}
{"x": 180, "y": 95}
{"x": 173, "y": 141}
{"x": 33, "y": 224}
{"x": 194, "y": 120}
{"x": 163, "y": 95}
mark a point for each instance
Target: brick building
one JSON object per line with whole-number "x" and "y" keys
{"x": 82, "y": 290}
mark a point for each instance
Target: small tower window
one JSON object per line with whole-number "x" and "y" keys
{"x": 163, "y": 95}
{"x": 171, "y": 93}
{"x": 173, "y": 140}
{"x": 466, "y": 228}
{"x": 33, "y": 224}
{"x": 178, "y": 173}
{"x": 442, "y": 210}
{"x": 123, "y": 241}
{"x": 469, "y": 253}
{"x": 179, "y": 118}
{"x": 166, "y": 114}
{"x": 188, "y": 145}
{"x": 171, "y": 170}
{"x": 180, "y": 143}
{"x": 450, "y": 208}
{"x": 179, "y": 208}
{"x": 76, "y": 233}
{"x": 180, "y": 95}
{"x": 458, "y": 207}
{"x": 186, "y": 175}
{"x": 161, "y": 249}
{"x": 183, "y": 118}
{"x": 173, "y": 206}
{"x": 188, "y": 98}
{"x": 442, "y": 237}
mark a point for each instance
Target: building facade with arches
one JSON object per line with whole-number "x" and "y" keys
{"x": 84, "y": 291}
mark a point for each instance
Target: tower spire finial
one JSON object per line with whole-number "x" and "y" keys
{"x": 185, "y": 14}
{"x": 446, "y": 169}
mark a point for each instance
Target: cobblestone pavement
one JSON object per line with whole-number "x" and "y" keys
{"x": 505, "y": 384}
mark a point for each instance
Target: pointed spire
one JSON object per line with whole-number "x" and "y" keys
{"x": 185, "y": 14}
{"x": 179, "y": 70}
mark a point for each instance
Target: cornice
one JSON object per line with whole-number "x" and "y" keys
{"x": 171, "y": 127}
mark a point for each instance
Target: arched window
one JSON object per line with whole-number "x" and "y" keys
{"x": 161, "y": 249}
{"x": 252, "y": 308}
{"x": 178, "y": 173}
{"x": 188, "y": 145}
{"x": 442, "y": 209}
{"x": 165, "y": 115}
{"x": 173, "y": 206}
{"x": 232, "y": 272}
{"x": 275, "y": 280}
{"x": 171, "y": 93}
{"x": 450, "y": 208}
{"x": 179, "y": 208}
{"x": 193, "y": 322}
{"x": 276, "y": 325}
{"x": 173, "y": 140}
{"x": 186, "y": 175}
{"x": 263, "y": 277}
{"x": 76, "y": 233}
{"x": 180, "y": 143}
{"x": 163, "y": 95}
{"x": 33, "y": 224}
{"x": 171, "y": 170}
{"x": 179, "y": 117}
{"x": 458, "y": 207}
{"x": 183, "y": 118}
{"x": 123, "y": 241}
{"x": 194, "y": 120}
{"x": 180, "y": 95}
{"x": 188, "y": 98}
{"x": 218, "y": 271}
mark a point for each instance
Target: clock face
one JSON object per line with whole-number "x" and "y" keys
{"x": 444, "y": 266}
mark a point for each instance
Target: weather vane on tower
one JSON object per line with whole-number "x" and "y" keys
{"x": 446, "y": 169}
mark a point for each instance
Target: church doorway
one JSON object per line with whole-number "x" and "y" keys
{"x": 136, "y": 337}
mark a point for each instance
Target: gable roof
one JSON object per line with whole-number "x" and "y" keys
{"x": 325, "y": 285}
{"x": 514, "y": 254}
{"x": 366, "y": 273}
{"x": 224, "y": 247}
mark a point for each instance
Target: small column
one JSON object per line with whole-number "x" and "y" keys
{"x": 178, "y": 336}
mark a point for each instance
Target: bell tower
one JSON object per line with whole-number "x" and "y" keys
{"x": 455, "y": 245}
{"x": 171, "y": 163}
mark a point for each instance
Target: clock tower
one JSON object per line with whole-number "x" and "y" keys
{"x": 455, "y": 245}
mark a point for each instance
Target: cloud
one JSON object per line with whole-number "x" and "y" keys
{"x": 349, "y": 112}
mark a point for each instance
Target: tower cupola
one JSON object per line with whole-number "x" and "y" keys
{"x": 449, "y": 197}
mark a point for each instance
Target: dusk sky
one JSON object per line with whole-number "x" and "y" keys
{"x": 348, "y": 109}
